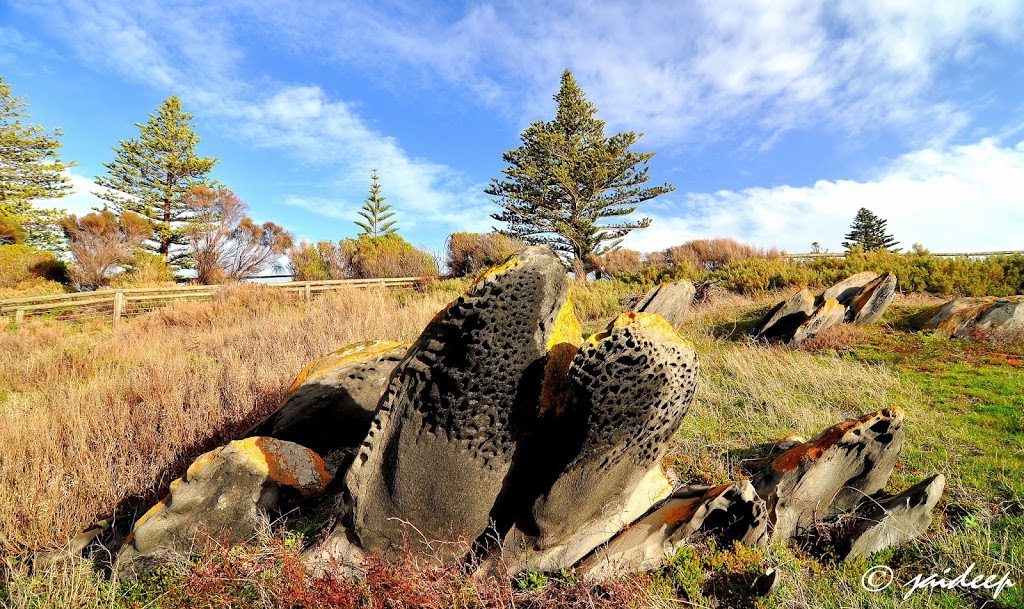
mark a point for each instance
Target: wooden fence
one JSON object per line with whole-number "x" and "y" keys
{"x": 943, "y": 254}
{"x": 119, "y": 304}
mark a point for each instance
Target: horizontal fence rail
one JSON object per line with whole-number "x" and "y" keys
{"x": 943, "y": 254}
{"x": 119, "y": 304}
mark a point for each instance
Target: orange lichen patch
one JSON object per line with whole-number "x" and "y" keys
{"x": 290, "y": 464}
{"x": 831, "y": 306}
{"x": 679, "y": 511}
{"x": 357, "y": 352}
{"x": 812, "y": 451}
{"x": 509, "y": 264}
{"x": 150, "y": 513}
{"x": 562, "y": 346}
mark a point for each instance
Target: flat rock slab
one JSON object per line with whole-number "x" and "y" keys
{"x": 783, "y": 320}
{"x": 828, "y": 315}
{"x": 731, "y": 512}
{"x": 630, "y": 386}
{"x": 442, "y": 443}
{"x": 895, "y": 521}
{"x": 963, "y": 317}
{"x": 845, "y": 290}
{"x": 874, "y": 298}
{"x": 330, "y": 405}
{"x": 225, "y": 494}
{"x": 832, "y": 472}
{"x": 670, "y": 300}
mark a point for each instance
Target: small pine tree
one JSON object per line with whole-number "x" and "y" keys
{"x": 375, "y": 212}
{"x": 868, "y": 233}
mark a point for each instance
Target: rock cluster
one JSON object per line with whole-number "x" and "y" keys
{"x": 502, "y": 427}
{"x": 970, "y": 317}
{"x": 859, "y": 299}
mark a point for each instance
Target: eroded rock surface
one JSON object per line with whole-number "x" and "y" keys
{"x": 452, "y": 420}
{"x": 670, "y": 300}
{"x": 331, "y": 403}
{"x": 826, "y": 316}
{"x": 730, "y": 512}
{"x": 225, "y": 494}
{"x": 845, "y": 290}
{"x": 783, "y": 320}
{"x": 894, "y": 521}
{"x": 832, "y": 472}
{"x": 874, "y": 298}
{"x": 963, "y": 317}
{"x": 631, "y": 386}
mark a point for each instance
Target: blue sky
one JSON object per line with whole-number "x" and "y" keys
{"x": 775, "y": 120}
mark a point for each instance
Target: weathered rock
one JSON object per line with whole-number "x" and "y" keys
{"x": 630, "y": 386}
{"x": 896, "y": 520}
{"x": 670, "y": 300}
{"x": 873, "y": 299}
{"x": 962, "y": 317}
{"x": 845, "y": 290}
{"x": 828, "y": 315}
{"x": 731, "y": 512}
{"x": 783, "y": 320}
{"x": 72, "y": 549}
{"x": 832, "y": 472}
{"x": 225, "y": 494}
{"x": 442, "y": 443}
{"x": 330, "y": 405}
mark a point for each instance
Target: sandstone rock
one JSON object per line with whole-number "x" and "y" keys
{"x": 442, "y": 443}
{"x": 331, "y": 403}
{"x": 783, "y": 320}
{"x": 845, "y": 290}
{"x": 961, "y": 317}
{"x": 832, "y": 472}
{"x": 670, "y": 300}
{"x": 829, "y": 314}
{"x": 731, "y": 512}
{"x": 631, "y": 385}
{"x": 896, "y": 520}
{"x": 873, "y": 299}
{"x": 225, "y": 494}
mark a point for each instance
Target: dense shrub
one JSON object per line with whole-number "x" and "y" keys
{"x": 388, "y": 256}
{"x": 21, "y": 265}
{"x": 710, "y": 254}
{"x": 619, "y": 261}
{"x": 145, "y": 269}
{"x": 470, "y": 253}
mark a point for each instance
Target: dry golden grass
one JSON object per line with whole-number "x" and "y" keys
{"x": 90, "y": 419}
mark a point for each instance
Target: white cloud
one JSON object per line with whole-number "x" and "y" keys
{"x": 957, "y": 199}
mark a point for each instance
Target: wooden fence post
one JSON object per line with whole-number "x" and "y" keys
{"x": 19, "y": 315}
{"x": 307, "y": 292}
{"x": 118, "y": 308}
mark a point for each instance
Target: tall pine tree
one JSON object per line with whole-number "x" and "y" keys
{"x": 375, "y": 213}
{"x": 153, "y": 174}
{"x": 567, "y": 178}
{"x": 868, "y": 232}
{"x": 30, "y": 169}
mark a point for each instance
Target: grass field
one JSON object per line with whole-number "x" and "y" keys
{"x": 93, "y": 423}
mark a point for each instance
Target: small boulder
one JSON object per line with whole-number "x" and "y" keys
{"x": 962, "y": 317}
{"x": 894, "y": 521}
{"x": 330, "y": 405}
{"x": 225, "y": 494}
{"x": 845, "y": 290}
{"x": 441, "y": 445}
{"x": 731, "y": 512}
{"x": 829, "y": 314}
{"x": 832, "y": 472}
{"x": 783, "y": 320}
{"x": 670, "y": 300}
{"x": 870, "y": 303}
{"x": 630, "y": 386}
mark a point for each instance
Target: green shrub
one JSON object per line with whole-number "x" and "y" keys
{"x": 388, "y": 256}
{"x": 21, "y": 264}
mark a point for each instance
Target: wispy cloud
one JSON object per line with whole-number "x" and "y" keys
{"x": 960, "y": 198}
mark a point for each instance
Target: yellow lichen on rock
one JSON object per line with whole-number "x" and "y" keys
{"x": 562, "y": 346}
{"x": 512, "y": 262}
{"x": 651, "y": 324}
{"x": 352, "y": 353}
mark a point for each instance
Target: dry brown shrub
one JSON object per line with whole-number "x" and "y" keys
{"x": 712, "y": 254}
{"x": 836, "y": 338}
{"x": 91, "y": 420}
{"x": 619, "y": 261}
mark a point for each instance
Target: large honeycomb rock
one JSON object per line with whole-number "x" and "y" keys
{"x": 440, "y": 449}
{"x": 832, "y": 472}
{"x": 225, "y": 494}
{"x": 670, "y": 300}
{"x": 630, "y": 387}
{"x": 845, "y": 290}
{"x": 962, "y": 317}
{"x": 873, "y": 299}
{"x": 783, "y": 320}
{"x": 330, "y": 405}
{"x": 730, "y": 512}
